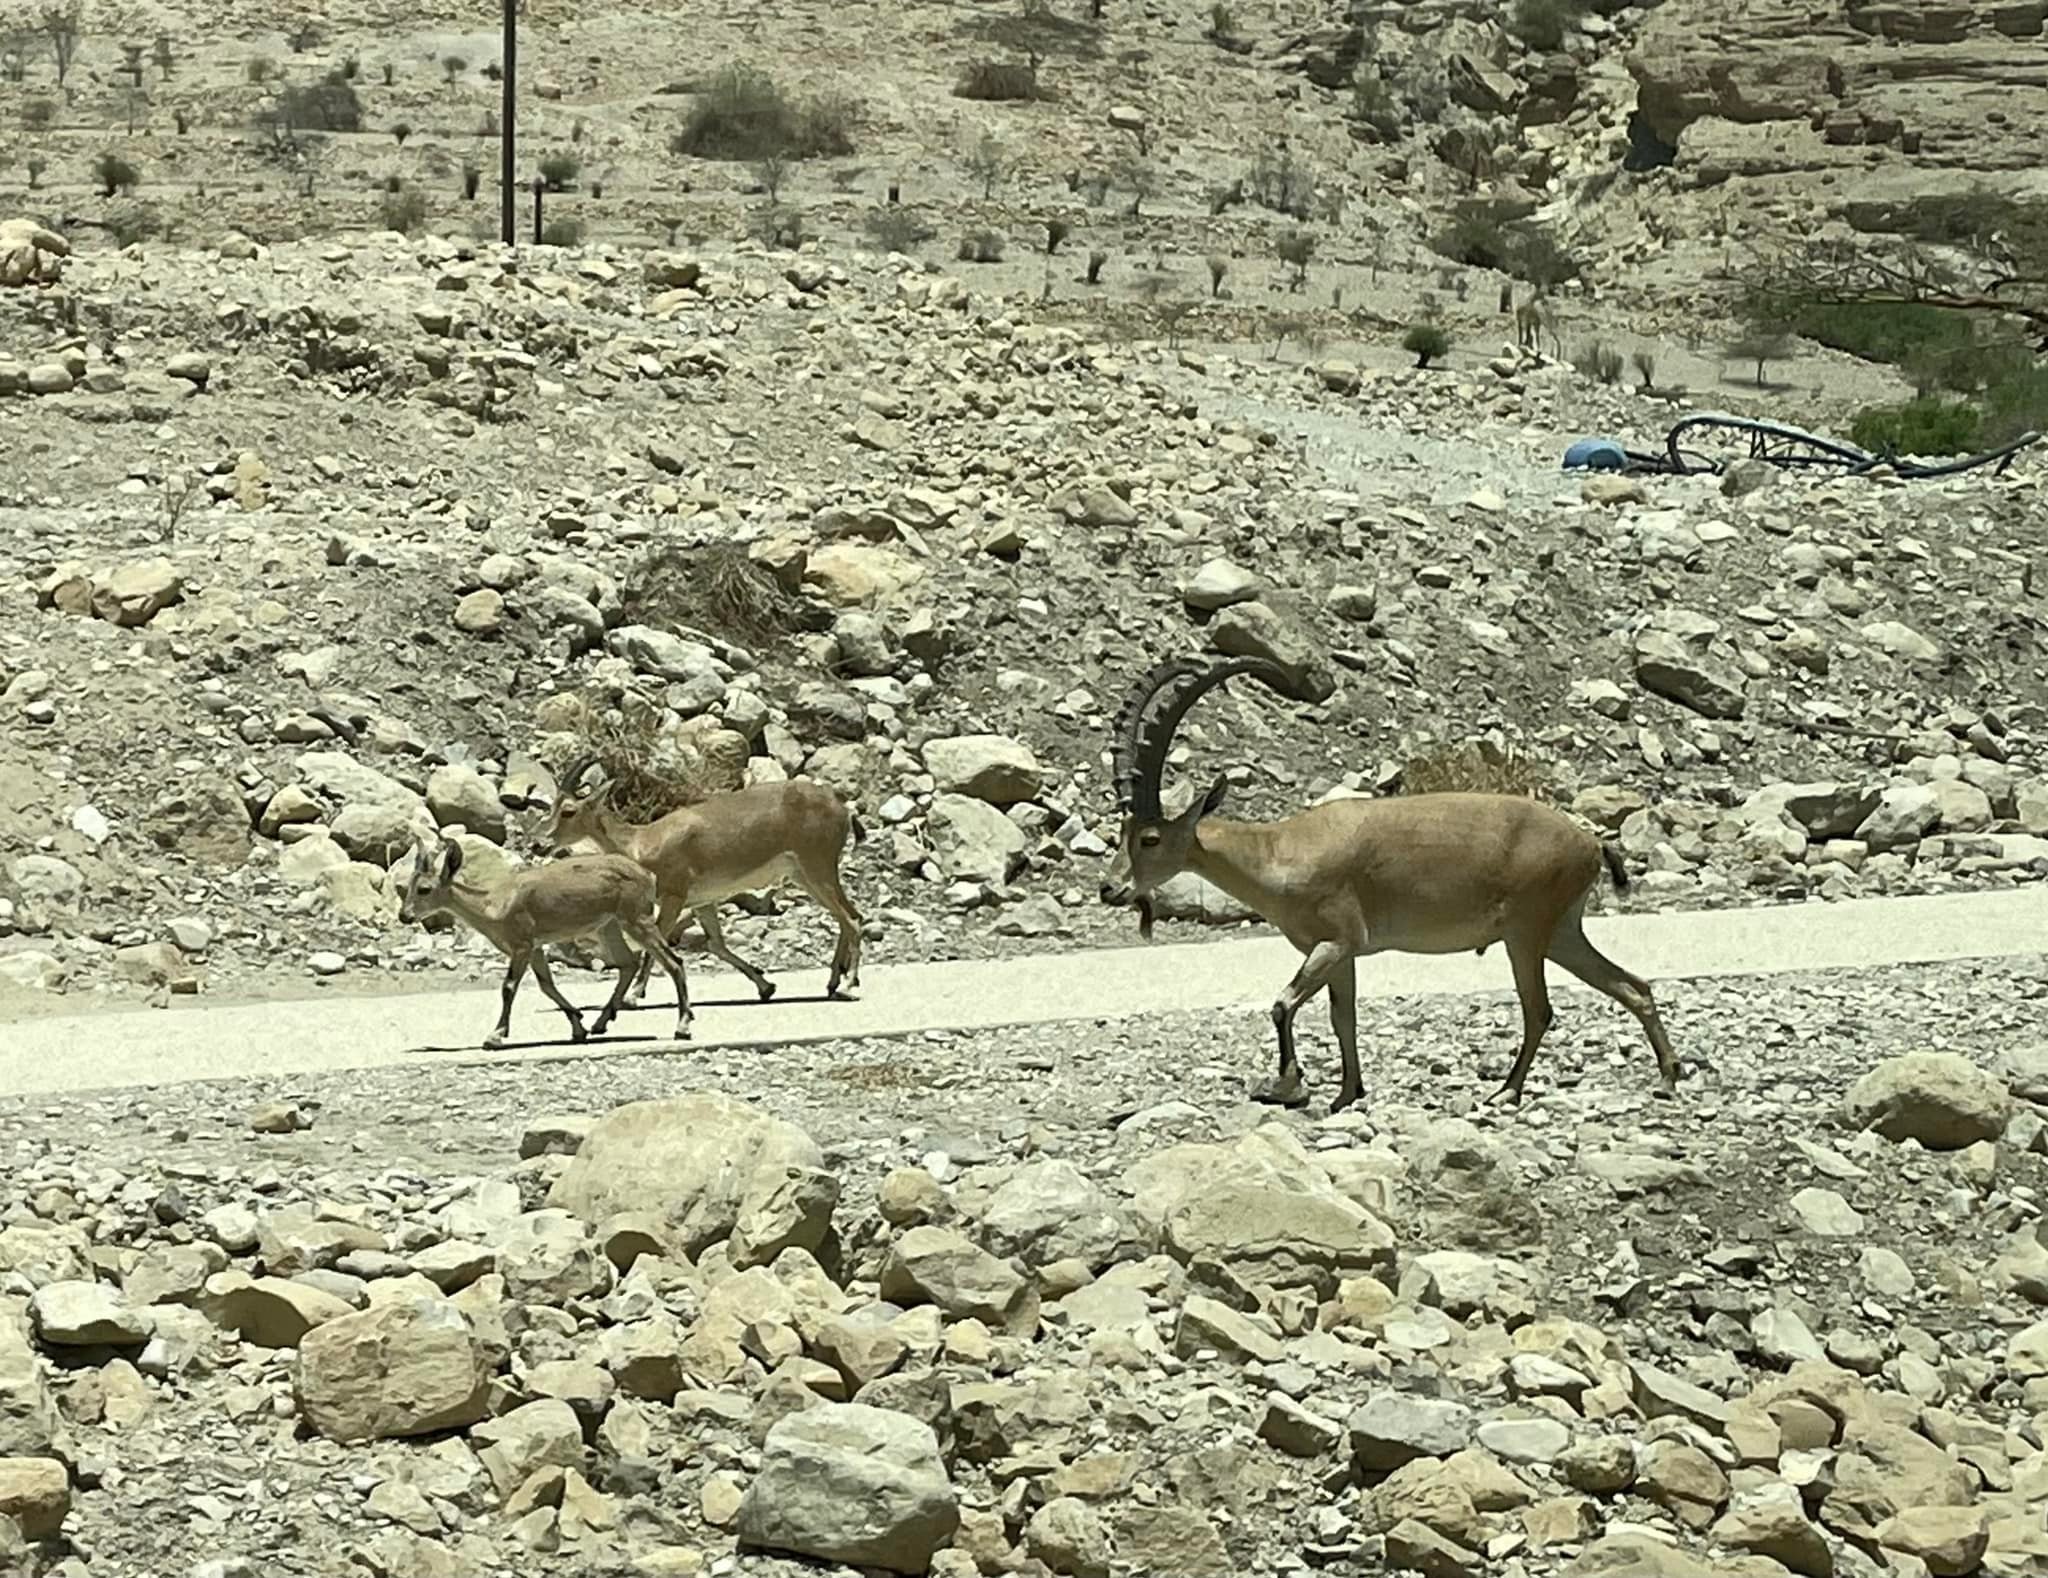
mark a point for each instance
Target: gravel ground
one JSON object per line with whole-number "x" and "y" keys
{"x": 1654, "y": 1219}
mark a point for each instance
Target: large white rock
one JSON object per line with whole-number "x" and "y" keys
{"x": 990, "y": 767}
{"x": 711, "y": 1169}
{"x": 1941, "y": 1099}
{"x": 852, "y": 1484}
{"x": 403, "y": 1369}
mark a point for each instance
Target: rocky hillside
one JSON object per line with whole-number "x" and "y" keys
{"x": 364, "y": 537}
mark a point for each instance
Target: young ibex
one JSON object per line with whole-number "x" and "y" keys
{"x": 720, "y": 847}
{"x": 602, "y": 895}
{"x": 1432, "y": 873}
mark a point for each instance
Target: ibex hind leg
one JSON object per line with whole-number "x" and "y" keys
{"x": 672, "y": 925}
{"x": 1571, "y": 949}
{"x": 656, "y": 946}
{"x": 1526, "y": 957}
{"x": 546, "y": 978}
{"x": 826, "y": 889}
{"x": 627, "y": 963}
{"x": 714, "y": 940}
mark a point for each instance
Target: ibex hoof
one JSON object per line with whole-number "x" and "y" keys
{"x": 766, "y": 989}
{"x": 1345, "y": 1098}
{"x": 1284, "y": 1091}
{"x": 1509, "y": 1095}
{"x": 494, "y": 1040}
{"x": 682, "y": 1032}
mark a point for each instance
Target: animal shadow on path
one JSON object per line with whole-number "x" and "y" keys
{"x": 608, "y": 1039}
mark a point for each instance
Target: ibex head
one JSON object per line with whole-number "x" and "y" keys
{"x": 1153, "y": 846}
{"x": 434, "y": 870}
{"x": 577, "y": 805}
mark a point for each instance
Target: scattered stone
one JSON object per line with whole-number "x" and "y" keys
{"x": 405, "y": 1369}
{"x": 36, "y": 1493}
{"x": 848, "y": 1483}
{"x": 1393, "y": 1428}
{"x": 935, "y": 1265}
{"x": 987, "y": 767}
{"x": 1941, "y": 1099}
{"x": 85, "y": 1315}
{"x": 710, "y": 1169}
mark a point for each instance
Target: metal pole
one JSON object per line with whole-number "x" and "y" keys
{"x": 507, "y": 157}
{"x": 539, "y": 186}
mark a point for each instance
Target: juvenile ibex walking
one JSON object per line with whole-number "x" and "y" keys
{"x": 1432, "y": 873}
{"x": 720, "y": 847}
{"x": 601, "y": 895}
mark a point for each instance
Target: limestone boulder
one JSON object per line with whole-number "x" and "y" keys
{"x": 1940, "y": 1099}
{"x": 408, "y": 1368}
{"x": 851, "y": 1484}
{"x": 710, "y": 1169}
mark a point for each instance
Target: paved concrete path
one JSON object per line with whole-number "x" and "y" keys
{"x": 196, "y": 1039}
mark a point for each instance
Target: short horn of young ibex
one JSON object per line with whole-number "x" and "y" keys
{"x": 605, "y": 896}
{"x": 720, "y": 847}
{"x": 1429, "y": 873}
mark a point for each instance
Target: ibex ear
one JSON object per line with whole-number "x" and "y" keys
{"x": 1213, "y": 800}
{"x": 451, "y": 859}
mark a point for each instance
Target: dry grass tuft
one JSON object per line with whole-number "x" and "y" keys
{"x": 649, "y": 770}
{"x": 879, "y": 1076}
{"x": 719, "y": 589}
{"x": 1476, "y": 768}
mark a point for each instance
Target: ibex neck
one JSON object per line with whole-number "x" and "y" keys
{"x": 475, "y": 906}
{"x": 1236, "y": 857}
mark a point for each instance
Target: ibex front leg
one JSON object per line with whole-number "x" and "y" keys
{"x": 515, "y": 971}
{"x": 1285, "y": 1089}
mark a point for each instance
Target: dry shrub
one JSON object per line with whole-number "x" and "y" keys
{"x": 998, "y": 81}
{"x": 879, "y": 1076}
{"x": 718, "y": 589}
{"x": 1480, "y": 767}
{"x": 648, "y": 769}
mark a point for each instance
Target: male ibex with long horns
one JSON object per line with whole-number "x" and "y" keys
{"x": 1431, "y": 873}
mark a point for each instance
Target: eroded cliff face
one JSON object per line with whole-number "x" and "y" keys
{"x": 1902, "y": 94}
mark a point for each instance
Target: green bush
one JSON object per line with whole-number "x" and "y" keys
{"x": 1426, "y": 342}
{"x": 742, "y": 113}
{"x": 1926, "y": 426}
{"x": 779, "y": 225}
{"x": 1598, "y": 359}
{"x": 562, "y": 233}
{"x": 1282, "y": 182}
{"x": 2016, "y": 404}
{"x": 1883, "y": 331}
{"x": 403, "y": 211}
{"x": 1517, "y": 250}
{"x": 981, "y": 246}
{"x": 115, "y": 174}
{"x": 328, "y": 105}
{"x": 560, "y": 170}
{"x": 896, "y": 229}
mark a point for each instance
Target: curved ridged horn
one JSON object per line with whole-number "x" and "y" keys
{"x": 572, "y": 776}
{"x": 1180, "y": 686}
{"x": 1126, "y": 733}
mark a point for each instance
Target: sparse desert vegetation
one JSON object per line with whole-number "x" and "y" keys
{"x": 867, "y": 400}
